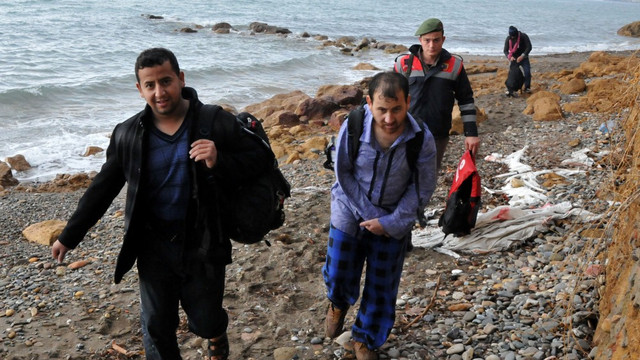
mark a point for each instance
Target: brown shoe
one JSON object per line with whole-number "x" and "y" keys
{"x": 334, "y": 321}
{"x": 363, "y": 352}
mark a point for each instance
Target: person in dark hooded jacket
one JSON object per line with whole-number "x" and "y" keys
{"x": 436, "y": 80}
{"x": 517, "y": 47}
{"x": 176, "y": 176}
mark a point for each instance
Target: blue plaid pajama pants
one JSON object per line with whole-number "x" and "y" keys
{"x": 342, "y": 271}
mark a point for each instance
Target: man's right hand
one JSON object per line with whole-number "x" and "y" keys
{"x": 58, "y": 251}
{"x": 374, "y": 227}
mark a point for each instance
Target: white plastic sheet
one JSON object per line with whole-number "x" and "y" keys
{"x": 500, "y": 228}
{"x": 505, "y": 226}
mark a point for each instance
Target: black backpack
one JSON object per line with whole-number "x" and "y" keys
{"x": 354, "y": 130}
{"x": 257, "y": 206}
{"x": 515, "y": 78}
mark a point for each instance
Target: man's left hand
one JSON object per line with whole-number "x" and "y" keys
{"x": 472, "y": 143}
{"x": 204, "y": 149}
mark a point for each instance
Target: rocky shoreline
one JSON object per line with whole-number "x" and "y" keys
{"x": 534, "y": 301}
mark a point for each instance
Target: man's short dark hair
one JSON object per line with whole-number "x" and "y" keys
{"x": 388, "y": 83}
{"x": 154, "y": 57}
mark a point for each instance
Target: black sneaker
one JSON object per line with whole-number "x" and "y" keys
{"x": 527, "y": 91}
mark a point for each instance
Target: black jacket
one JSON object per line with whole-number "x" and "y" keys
{"x": 239, "y": 157}
{"x": 434, "y": 90}
{"x": 524, "y": 47}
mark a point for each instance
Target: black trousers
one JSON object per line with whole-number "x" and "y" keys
{"x": 164, "y": 285}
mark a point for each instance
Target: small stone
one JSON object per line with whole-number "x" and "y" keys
{"x": 469, "y": 316}
{"x": 61, "y": 270}
{"x": 344, "y": 339}
{"x": 455, "y": 349}
{"x": 285, "y": 353}
{"x": 393, "y": 353}
{"x": 280, "y": 331}
{"x": 489, "y": 329}
{"x": 78, "y": 264}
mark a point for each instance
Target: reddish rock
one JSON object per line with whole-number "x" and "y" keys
{"x": 546, "y": 109}
{"x": 67, "y": 183}
{"x": 45, "y": 232}
{"x": 282, "y": 117}
{"x": 317, "y": 123}
{"x": 460, "y": 307}
{"x": 92, "y": 150}
{"x": 288, "y": 101}
{"x": 314, "y": 144}
{"x": 347, "y": 41}
{"x": 337, "y": 118}
{"x": 6, "y": 176}
{"x": 365, "y": 66}
{"x": 341, "y": 94}
{"x": 456, "y": 119}
{"x": 78, "y": 264}
{"x": 573, "y": 86}
{"x": 594, "y": 270}
{"x": 315, "y": 108}
{"x": 632, "y": 29}
{"x": 18, "y": 163}
{"x": 576, "y": 107}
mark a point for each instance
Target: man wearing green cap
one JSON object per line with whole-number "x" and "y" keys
{"x": 436, "y": 80}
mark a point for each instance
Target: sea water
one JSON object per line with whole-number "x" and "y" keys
{"x": 66, "y": 67}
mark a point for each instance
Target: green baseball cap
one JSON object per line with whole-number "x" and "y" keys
{"x": 429, "y": 25}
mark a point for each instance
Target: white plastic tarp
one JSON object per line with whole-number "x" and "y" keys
{"x": 499, "y": 228}
{"x": 504, "y": 226}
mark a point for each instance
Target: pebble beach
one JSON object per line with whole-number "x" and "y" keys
{"x": 536, "y": 300}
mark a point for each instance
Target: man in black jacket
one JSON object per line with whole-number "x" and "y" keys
{"x": 436, "y": 80}
{"x": 175, "y": 177}
{"x": 517, "y": 47}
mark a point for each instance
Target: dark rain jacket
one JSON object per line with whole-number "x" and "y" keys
{"x": 434, "y": 90}
{"x": 524, "y": 47}
{"x": 239, "y": 157}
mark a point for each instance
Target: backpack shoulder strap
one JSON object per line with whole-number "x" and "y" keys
{"x": 408, "y": 62}
{"x": 206, "y": 117}
{"x": 414, "y": 146}
{"x": 355, "y": 124}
